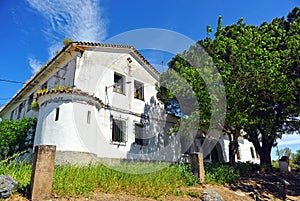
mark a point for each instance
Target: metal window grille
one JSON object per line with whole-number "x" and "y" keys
{"x": 118, "y": 131}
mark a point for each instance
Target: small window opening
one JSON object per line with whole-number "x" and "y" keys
{"x": 88, "y": 118}
{"x": 11, "y": 115}
{"x": 56, "y": 114}
{"x": 30, "y": 100}
{"x": 138, "y": 90}
{"x": 119, "y": 83}
{"x": 20, "y": 110}
{"x": 45, "y": 85}
{"x": 252, "y": 152}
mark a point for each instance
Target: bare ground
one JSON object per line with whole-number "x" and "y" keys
{"x": 256, "y": 186}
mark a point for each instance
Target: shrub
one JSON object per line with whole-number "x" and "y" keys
{"x": 16, "y": 136}
{"x": 218, "y": 173}
{"x": 246, "y": 168}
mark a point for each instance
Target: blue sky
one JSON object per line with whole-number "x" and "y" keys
{"x": 32, "y": 30}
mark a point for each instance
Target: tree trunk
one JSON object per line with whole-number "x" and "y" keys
{"x": 233, "y": 146}
{"x": 265, "y": 156}
{"x": 263, "y": 149}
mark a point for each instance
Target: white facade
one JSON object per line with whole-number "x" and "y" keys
{"x": 101, "y": 100}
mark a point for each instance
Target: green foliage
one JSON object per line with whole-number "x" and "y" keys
{"x": 284, "y": 152}
{"x": 67, "y": 41}
{"x": 296, "y": 158}
{"x": 218, "y": 173}
{"x": 259, "y": 66}
{"x": 20, "y": 171}
{"x": 246, "y": 168}
{"x": 187, "y": 175}
{"x": 16, "y": 136}
{"x": 34, "y": 106}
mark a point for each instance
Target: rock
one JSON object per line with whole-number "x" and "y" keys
{"x": 7, "y": 185}
{"x": 240, "y": 193}
{"x": 211, "y": 195}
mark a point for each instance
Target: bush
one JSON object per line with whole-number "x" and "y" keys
{"x": 247, "y": 168}
{"x": 218, "y": 173}
{"x": 16, "y": 136}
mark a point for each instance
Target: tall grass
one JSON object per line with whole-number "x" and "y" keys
{"x": 21, "y": 172}
{"x": 72, "y": 180}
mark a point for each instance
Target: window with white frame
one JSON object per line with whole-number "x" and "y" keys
{"x": 118, "y": 130}
{"x": 138, "y": 90}
{"x": 140, "y": 135}
{"x": 119, "y": 83}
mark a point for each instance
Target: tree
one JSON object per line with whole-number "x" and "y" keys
{"x": 284, "y": 152}
{"x": 16, "y": 136}
{"x": 259, "y": 66}
{"x": 296, "y": 157}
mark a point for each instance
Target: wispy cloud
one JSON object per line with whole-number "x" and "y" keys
{"x": 34, "y": 64}
{"x": 80, "y": 20}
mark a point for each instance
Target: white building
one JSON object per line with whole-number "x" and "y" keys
{"x": 99, "y": 100}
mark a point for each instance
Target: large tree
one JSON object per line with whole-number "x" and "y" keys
{"x": 259, "y": 66}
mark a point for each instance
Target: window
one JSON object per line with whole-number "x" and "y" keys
{"x": 56, "y": 114}
{"x": 88, "y": 118}
{"x": 138, "y": 90}
{"x": 20, "y": 110}
{"x": 30, "y": 99}
{"x": 12, "y": 115}
{"x": 119, "y": 83}
{"x": 140, "y": 137}
{"x": 118, "y": 131}
{"x": 252, "y": 152}
{"x": 45, "y": 85}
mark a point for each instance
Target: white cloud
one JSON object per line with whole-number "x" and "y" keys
{"x": 80, "y": 20}
{"x": 35, "y": 65}
{"x": 289, "y": 140}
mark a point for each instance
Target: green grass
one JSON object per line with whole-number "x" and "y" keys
{"x": 21, "y": 172}
{"x": 71, "y": 180}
